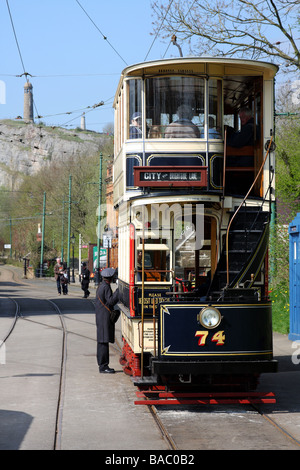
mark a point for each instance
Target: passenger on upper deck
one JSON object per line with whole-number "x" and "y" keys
{"x": 135, "y": 131}
{"x": 245, "y": 136}
{"x": 183, "y": 127}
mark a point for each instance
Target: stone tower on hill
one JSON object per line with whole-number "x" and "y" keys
{"x": 28, "y": 103}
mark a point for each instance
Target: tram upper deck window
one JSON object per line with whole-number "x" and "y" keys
{"x": 135, "y": 109}
{"x": 175, "y": 107}
{"x": 215, "y": 109}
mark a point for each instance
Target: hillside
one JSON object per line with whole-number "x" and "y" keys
{"x": 25, "y": 148}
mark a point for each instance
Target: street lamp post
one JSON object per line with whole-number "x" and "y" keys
{"x": 97, "y": 280}
{"x": 43, "y": 236}
{"x": 69, "y": 223}
{"x": 72, "y": 239}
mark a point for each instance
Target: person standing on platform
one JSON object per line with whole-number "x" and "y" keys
{"x": 64, "y": 279}
{"x": 58, "y": 268}
{"x": 105, "y": 301}
{"x": 85, "y": 280}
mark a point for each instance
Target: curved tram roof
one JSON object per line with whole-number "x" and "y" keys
{"x": 206, "y": 66}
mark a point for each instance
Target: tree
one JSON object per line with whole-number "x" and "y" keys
{"x": 24, "y": 207}
{"x": 240, "y": 28}
{"x": 288, "y": 150}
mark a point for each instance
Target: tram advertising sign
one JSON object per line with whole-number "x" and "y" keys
{"x": 166, "y": 176}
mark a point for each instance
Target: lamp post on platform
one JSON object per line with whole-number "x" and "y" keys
{"x": 43, "y": 236}
{"x": 72, "y": 239}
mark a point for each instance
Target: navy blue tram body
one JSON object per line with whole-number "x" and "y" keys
{"x": 193, "y": 188}
{"x": 243, "y": 333}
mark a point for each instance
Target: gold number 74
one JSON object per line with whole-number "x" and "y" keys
{"x": 218, "y": 337}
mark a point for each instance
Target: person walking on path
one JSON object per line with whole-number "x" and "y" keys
{"x": 85, "y": 280}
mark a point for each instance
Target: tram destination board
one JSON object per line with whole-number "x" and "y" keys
{"x": 166, "y": 176}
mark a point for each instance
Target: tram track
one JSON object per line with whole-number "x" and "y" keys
{"x": 171, "y": 433}
{"x": 224, "y": 435}
{"x": 13, "y": 323}
{"x": 62, "y": 379}
{"x": 62, "y": 374}
{"x": 164, "y": 432}
{"x": 275, "y": 425}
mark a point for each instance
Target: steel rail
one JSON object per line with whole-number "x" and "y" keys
{"x": 279, "y": 428}
{"x": 16, "y": 316}
{"x": 62, "y": 381}
{"x": 162, "y": 428}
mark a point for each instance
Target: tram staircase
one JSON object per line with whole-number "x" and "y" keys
{"x": 247, "y": 246}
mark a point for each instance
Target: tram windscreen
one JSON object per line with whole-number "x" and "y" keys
{"x": 175, "y": 107}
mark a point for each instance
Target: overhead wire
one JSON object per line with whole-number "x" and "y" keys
{"x": 26, "y": 74}
{"x": 101, "y": 103}
{"x": 15, "y": 34}
{"x": 76, "y": 117}
{"x": 59, "y": 75}
{"x": 104, "y": 37}
{"x": 19, "y": 50}
{"x": 157, "y": 33}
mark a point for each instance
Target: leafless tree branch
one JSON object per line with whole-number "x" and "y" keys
{"x": 241, "y": 28}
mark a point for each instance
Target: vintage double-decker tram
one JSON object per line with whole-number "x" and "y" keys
{"x": 193, "y": 187}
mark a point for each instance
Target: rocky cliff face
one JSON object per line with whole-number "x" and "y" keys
{"x": 26, "y": 148}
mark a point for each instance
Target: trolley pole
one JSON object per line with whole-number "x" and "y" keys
{"x": 99, "y": 221}
{"x": 43, "y": 236}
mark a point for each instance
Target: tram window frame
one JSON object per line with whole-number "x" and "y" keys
{"x": 151, "y": 246}
{"x": 164, "y": 95}
{"x": 215, "y": 109}
{"x": 206, "y": 262}
{"x": 134, "y": 94}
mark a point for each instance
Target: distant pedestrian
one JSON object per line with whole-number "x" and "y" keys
{"x": 58, "y": 268}
{"x": 105, "y": 301}
{"x": 85, "y": 280}
{"x": 64, "y": 279}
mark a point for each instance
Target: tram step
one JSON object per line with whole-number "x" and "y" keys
{"x": 147, "y": 380}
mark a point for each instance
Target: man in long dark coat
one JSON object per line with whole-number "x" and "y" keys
{"x": 105, "y": 301}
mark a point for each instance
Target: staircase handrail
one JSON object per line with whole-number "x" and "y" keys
{"x": 246, "y": 196}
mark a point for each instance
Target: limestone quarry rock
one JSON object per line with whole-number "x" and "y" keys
{"x": 26, "y": 147}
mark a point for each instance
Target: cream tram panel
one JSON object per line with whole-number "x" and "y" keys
{"x": 132, "y": 332}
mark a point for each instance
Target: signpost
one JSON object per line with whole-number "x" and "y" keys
{"x": 102, "y": 258}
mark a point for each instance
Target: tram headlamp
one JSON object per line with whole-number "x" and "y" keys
{"x": 209, "y": 317}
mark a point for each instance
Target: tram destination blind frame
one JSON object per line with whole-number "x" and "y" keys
{"x": 166, "y": 176}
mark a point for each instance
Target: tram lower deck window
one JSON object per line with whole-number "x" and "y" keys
{"x": 156, "y": 264}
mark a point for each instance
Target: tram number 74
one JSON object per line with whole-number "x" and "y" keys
{"x": 218, "y": 338}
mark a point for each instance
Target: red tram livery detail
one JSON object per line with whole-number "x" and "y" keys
{"x": 194, "y": 190}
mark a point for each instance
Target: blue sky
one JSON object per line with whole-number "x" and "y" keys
{"x": 72, "y": 66}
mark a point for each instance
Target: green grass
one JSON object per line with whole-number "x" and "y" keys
{"x": 281, "y": 309}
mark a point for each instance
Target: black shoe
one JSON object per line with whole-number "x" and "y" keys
{"x": 108, "y": 370}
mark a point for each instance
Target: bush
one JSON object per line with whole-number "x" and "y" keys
{"x": 281, "y": 308}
